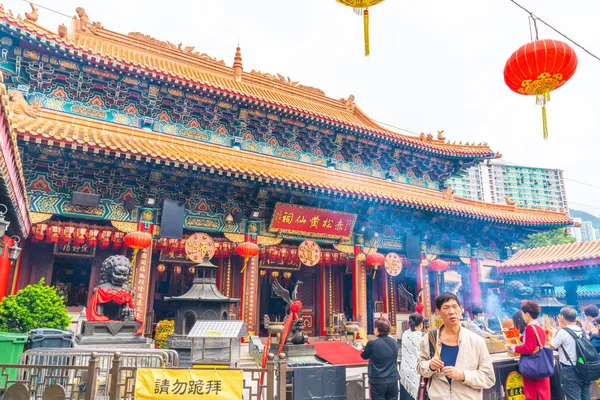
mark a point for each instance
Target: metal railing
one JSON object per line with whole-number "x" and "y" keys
{"x": 103, "y": 376}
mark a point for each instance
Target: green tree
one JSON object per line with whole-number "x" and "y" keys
{"x": 34, "y": 306}
{"x": 547, "y": 238}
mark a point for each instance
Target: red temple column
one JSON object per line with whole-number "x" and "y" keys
{"x": 475, "y": 286}
{"x": 324, "y": 316}
{"x": 359, "y": 283}
{"x": 5, "y": 265}
{"x": 249, "y": 313}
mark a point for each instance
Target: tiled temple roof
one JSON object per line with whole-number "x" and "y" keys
{"x": 582, "y": 291}
{"x": 562, "y": 256}
{"x": 146, "y": 56}
{"x": 81, "y": 133}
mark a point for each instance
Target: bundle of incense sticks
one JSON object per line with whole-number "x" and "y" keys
{"x": 432, "y": 339}
{"x": 495, "y": 339}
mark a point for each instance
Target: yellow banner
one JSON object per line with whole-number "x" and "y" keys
{"x": 169, "y": 384}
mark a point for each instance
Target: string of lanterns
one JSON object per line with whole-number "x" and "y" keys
{"x": 77, "y": 235}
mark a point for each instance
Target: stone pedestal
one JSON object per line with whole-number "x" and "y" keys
{"x": 183, "y": 346}
{"x": 112, "y": 334}
{"x": 296, "y": 352}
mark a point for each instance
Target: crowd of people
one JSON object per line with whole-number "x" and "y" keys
{"x": 453, "y": 361}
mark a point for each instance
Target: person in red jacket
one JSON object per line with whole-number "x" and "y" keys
{"x": 535, "y": 338}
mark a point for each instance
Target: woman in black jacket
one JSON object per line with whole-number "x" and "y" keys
{"x": 382, "y": 354}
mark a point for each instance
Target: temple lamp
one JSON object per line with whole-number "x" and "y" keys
{"x": 4, "y": 224}
{"x": 14, "y": 251}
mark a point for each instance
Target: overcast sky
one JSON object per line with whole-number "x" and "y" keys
{"x": 434, "y": 64}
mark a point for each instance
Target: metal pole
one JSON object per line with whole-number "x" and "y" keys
{"x": 115, "y": 377}
{"x": 282, "y": 371}
{"x": 270, "y": 376}
{"x": 90, "y": 391}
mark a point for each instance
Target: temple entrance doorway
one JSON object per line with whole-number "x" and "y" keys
{"x": 71, "y": 277}
{"x": 347, "y": 292}
{"x": 275, "y": 307}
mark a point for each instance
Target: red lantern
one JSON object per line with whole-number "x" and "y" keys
{"x": 104, "y": 238}
{"x": 38, "y": 232}
{"x": 92, "y": 237}
{"x": 181, "y": 248}
{"x": 172, "y": 245}
{"x": 438, "y": 265}
{"x": 52, "y": 234}
{"x": 118, "y": 240}
{"x": 161, "y": 244}
{"x": 137, "y": 241}
{"x": 375, "y": 260}
{"x": 247, "y": 250}
{"x": 66, "y": 235}
{"x": 538, "y": 68}
{"x": 79, "y": 237}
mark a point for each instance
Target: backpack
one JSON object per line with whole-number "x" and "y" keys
{"x": 588, "y": 361}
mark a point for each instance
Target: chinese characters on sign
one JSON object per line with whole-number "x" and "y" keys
{"x": 309, "y": 253}
{"x": 141, "y": 283}
{"x": 293, "y": 219}
{"x": 393, "y": 264}
{"x": 514, "y": 386}
{"x": 197, "y": 245}
{"x": 169, "y": 384}
{"x": 71, "y": 250}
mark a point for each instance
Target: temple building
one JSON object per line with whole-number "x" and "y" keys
{"x": 572, "y": 269}
{"x": 124, "y": 132}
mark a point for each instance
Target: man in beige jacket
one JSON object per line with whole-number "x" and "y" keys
{"x": 461, "y": 367}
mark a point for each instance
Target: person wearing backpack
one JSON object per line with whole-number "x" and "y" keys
{"x": 578, "y": 358}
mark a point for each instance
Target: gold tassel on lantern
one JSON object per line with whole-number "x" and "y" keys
{"x": 366, "y": 27}
{"x": 544, "y": 122}
{"x": 541, "y": 98}
{"x": 361, "y": 7}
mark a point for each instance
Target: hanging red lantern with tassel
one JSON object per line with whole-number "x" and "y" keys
{"x": 375, "y": 260}
{"x": 104, "y": 239}
{"x": 438, "y": 265}
{"x": 361, "y": 7}
{"x": 538, "y": 68}
{"x": 79, "y": 236}
{"x": 118, "y": 240}
{"x": 247, "y": 250}
{"x": 92, "y": 237}
{"x": 38, "y": 232}
{"x": 137, "y": 241}
{"x": 52, "y": 234}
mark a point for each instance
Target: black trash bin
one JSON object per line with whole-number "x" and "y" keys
{"x": 313, "y": 381}
{"x": 50, "y": 338}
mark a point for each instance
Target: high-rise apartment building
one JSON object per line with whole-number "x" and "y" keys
{"x": 588, "y": 233}
{"x": 495, "y": 180}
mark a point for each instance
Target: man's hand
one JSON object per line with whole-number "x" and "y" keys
{"x": 453, "y": 373}
{"x": 436, "y": 364}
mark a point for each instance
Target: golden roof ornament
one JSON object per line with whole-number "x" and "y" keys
{"x": 85, "y": 24}
{"x": 33, "y": 15}
{"x": 20, "y": 105}
{"x": 238, "y": 68}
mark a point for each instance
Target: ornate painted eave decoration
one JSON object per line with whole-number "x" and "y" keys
{"x": 78, "y": 133}
{"x": 564, "y": 256}
{"x": 12, "y": 181}
{"x": 88, "y": 41}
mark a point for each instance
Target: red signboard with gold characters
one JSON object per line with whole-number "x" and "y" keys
{"x": 315, "y": 222}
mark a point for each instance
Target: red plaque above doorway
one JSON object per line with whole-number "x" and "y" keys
{"x": 313, "y": 222}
